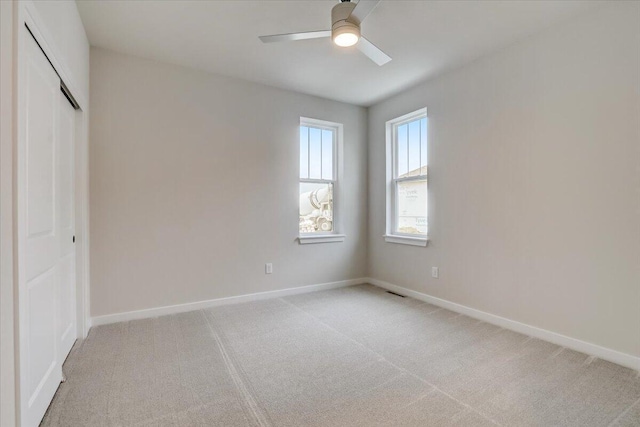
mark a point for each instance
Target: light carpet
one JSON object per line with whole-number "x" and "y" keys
{"x": 355, "y": 356}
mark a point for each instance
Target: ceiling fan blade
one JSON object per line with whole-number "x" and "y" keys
{"x": 291, "y": 37}
{"x": 373, "y": 52}
{"x": 363, "y": 8}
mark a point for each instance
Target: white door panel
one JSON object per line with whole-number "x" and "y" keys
{"x": 39, "y": 235}
{"x": 43, "y": 86}
{"x": 66, "y": 188}
{"x": 67, "y": 262}
{"x": 42, "y": 362}
{"x": 67, "y": 331}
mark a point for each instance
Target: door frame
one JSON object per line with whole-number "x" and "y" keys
{"x": 27, "y": 15}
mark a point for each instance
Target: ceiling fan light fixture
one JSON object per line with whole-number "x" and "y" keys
{"x": 345, "y": 34}
{"x": 346, "y": 18}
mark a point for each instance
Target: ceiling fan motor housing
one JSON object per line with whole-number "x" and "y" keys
{"x": 342, "y": 21}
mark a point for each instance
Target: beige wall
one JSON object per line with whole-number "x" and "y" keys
{"x": 534, "y": 165}
{"x": 534, "y": 171}
{"x": 7, "y": 294}
{"x": 194, "y": 182}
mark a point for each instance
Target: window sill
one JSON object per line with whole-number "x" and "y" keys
{"x": 406, "y": 240}
{"x": 322, "y": 238}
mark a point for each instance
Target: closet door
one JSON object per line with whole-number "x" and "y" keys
{"x": 67, "y": 262}
{"x": 39, "y": 235}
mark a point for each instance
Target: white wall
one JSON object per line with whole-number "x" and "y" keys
{"x": 534, "y": 166}
{"x": 194, "y": 187}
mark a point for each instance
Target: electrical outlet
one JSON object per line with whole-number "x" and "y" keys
{"x": 435, "y": 272}
{"x": 268, "y": 268}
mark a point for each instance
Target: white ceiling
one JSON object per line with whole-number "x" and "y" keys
{"x": 424, "y": 38}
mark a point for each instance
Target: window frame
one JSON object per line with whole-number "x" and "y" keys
{"x": 335, "y": 235}
{"x": 391, "y": 235}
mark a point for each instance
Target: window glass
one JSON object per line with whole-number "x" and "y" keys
{"x": 402, "y": 150}
{"x": 327, "y": 154}
{"x": 423, "y": 142}
{"x": 317, "y": 178}
{"x": 409, "y": 187}
{"x": 304, "y": 152}
{"x": 414, "y": 148}
{"x": 316, "y": 207}
{"x": 315, "y": 153}
{"x": 412, "y": 207}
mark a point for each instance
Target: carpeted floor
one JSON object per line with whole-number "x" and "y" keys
{"x": 355, "y": 356}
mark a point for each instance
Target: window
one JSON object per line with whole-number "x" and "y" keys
{"x": 407, "y": 179}
{"x": 319, "y": 146}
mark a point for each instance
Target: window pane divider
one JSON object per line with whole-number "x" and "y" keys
{"x": 308, "y": 152}
{"x": 317, "y": 181}
{"x": 411, "y": 178}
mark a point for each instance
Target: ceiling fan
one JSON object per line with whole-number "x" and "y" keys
{"x": 346, "y": 18}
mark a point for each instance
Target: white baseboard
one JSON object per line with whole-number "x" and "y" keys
{"x": 191, "y": 306}
{"x": 604, "y": 353}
